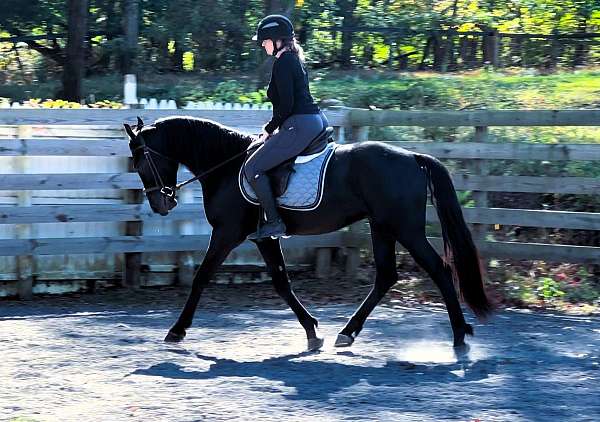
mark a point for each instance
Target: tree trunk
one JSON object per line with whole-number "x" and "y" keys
{"x": 439, "y": 53}
{"x": 75, "y": 58}
{"x": 105, "y": 61}
{"x": 177, "y": 57}
{"x": 516, "y": 51}
{"x": 428, "y": 45}
{"x": 452, "y": 64}
{"x": 274, "y": 6}
{"x": 554, "y": 53}
{"x": 211, "y": 59}
{"x": 237, "y": 35}
{"x": 581, "y": 49}
{"x": 490, "y": 47}
{"x": 131, "y": 31}
{"x": 347, "y": 7}
{"x": 368, "y": 55}
{"x": 472, "y": 53}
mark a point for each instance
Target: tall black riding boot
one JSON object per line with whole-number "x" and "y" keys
{"x": 274, "y": 227}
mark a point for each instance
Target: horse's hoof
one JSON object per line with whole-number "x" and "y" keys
{"x": 462, "y": 351}
{"x": 344, "y": 340}
{"x": 459, "y": 338}
{"x": 174, "y": 337}
{"x": 314, "y": 344}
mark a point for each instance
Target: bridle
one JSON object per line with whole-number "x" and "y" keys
{"x": 168, "y": 191}
{"x": 171, "y": 191}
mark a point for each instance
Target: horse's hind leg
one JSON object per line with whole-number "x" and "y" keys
{"x": 271, "y": 251}
{"x": 424, "y": 254}
{"x": 384, "y": 252}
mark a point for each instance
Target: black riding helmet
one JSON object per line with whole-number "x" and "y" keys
{"x": 274, "y": 27}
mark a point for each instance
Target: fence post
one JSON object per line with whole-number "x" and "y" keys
{"x": 323, "y": 262}
{"x": 185, "y": 260}
{"x": 25, "y": 264}
{"x": 357, "y": 134}
{"x": 133, "y": 260}
{"x": 130, "y": 91}
{"x": 323, "y": 256}
{"x": 480, "y": 167}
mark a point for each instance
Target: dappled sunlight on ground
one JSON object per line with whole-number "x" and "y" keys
{"x": 84, "y": 361}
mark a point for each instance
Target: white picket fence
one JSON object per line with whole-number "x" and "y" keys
{"x": 156, "y": 104}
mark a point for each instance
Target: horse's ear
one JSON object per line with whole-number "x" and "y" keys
{"x": 140, "y": 123}
{"x": 129, "y": 131}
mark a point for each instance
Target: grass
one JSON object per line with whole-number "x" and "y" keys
{"x": 510, "y": 88}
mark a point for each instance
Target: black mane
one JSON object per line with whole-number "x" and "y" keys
{"x": 199, "y": 143}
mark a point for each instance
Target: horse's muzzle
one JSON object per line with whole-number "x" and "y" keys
{"x": 162, "y": 204}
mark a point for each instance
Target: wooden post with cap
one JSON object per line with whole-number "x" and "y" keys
{"x": 133, "y": 260}
{"x": 25, "y": 264}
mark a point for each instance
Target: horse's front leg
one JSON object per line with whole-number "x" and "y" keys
{"x": 271, "y": 251}
{"x": 221, "y": 244}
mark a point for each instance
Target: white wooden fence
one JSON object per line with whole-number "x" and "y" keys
{"x": 66, "y": 211}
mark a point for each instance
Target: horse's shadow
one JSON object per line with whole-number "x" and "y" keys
{"x": 318, "y": 380}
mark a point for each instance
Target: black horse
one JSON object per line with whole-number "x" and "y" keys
{"x": 385, "y": 184}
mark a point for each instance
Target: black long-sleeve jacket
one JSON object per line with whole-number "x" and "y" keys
{"x": 288, "y": 90}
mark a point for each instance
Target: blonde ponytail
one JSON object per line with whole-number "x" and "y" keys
{"x": 295, "y": 47}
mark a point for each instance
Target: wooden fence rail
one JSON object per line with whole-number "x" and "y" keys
{"x": 174, "y": 243}
{"x": 96, "y": 134}
{"x": 142, "y": 212}
{"x": 575, "y": 185}
{"x": 117, "y": 147}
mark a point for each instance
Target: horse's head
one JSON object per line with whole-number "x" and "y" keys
{"x": 157, "y": 170}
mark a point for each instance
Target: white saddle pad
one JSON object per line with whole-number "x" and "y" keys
{"x": 305, "y": 187}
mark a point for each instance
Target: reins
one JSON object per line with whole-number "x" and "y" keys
{"x": 210, "y": 170}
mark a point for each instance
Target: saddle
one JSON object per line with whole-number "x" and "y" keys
{"x": 280, "y": 175}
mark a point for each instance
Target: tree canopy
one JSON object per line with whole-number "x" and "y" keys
{"x": 209, "y": 35}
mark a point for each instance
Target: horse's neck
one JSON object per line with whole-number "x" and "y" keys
{"x": 202, "y": 152}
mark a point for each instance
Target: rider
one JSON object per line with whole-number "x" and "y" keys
{"x": 296, "y": 120}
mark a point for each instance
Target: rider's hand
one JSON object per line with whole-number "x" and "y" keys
{"x": 264, "y": 136}
{"x": 258, "y": 141}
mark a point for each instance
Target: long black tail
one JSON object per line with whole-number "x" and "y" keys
{"x": 460, "y": 252}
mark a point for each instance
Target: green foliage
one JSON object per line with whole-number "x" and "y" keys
{"x": 548, "y": 289}
{"x": 228, "y": 91}
{"x": 196, "y": 35}
{"x": 256, "y": 97}
{"x": 385, "y": 90}
{"x": 465, "y": 198}
{"x": 562, "y": 286}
